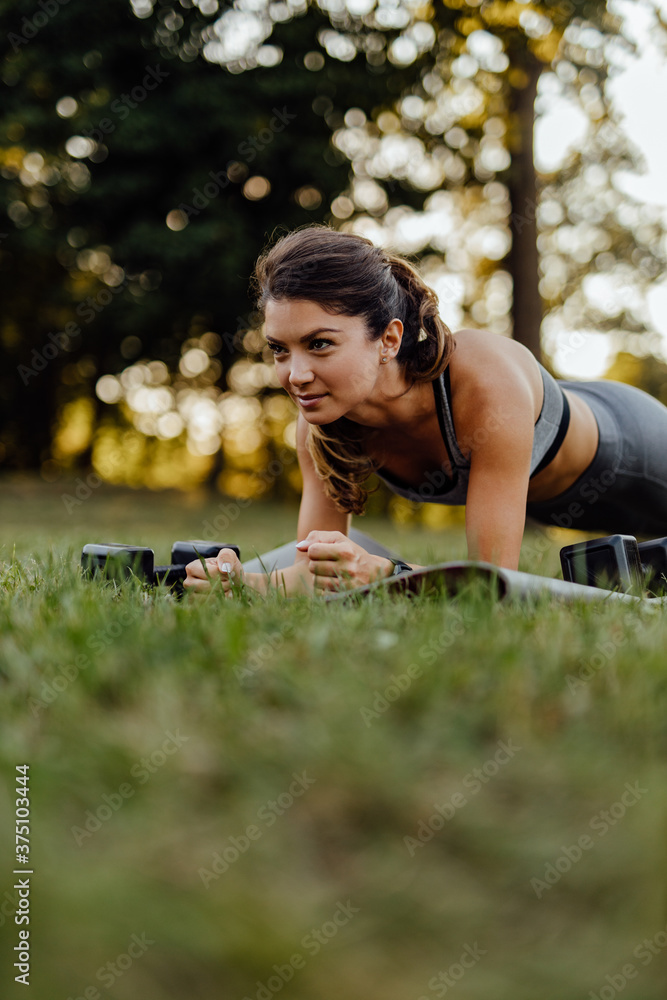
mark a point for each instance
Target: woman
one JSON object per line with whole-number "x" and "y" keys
{"x": 469, "y": 418}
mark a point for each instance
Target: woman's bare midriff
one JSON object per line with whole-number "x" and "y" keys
{"x": 574, "y": 456}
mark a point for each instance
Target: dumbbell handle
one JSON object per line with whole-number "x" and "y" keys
{"x": 177, "y": 572}
{"x": 183, "y": 553}
{"x": 169, "y": 575}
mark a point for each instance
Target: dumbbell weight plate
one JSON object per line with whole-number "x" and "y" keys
{"x": 609, "y": 562}
{"x": 117, "y": 561}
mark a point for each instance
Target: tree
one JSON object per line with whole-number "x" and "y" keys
{"x": 140, "y": 181}
{"x": 469, "y": 114}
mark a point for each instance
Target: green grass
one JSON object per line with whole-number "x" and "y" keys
{"x": 258, "y": 691}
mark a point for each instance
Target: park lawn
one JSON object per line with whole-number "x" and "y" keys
{"x": 365, "y": 800}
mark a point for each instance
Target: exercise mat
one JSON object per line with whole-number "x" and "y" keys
{"x": 450, "y": 578}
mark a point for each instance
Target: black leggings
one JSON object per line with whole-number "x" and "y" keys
{"x": 624, "y": 489}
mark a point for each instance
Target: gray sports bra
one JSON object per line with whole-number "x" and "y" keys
{"x": 550, "y": 430}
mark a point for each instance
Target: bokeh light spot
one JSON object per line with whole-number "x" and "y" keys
{"x": 308, "y": 197}
{"x": 269, "y": 55}
{"x": 193, "y": 362}
{"x": 109, "y": 389}
{"x": 78, "y": 146}
{"x": 66, "y": 107}
{"x": 176, "y": 220}
{"x": 256, "y": 188}
{"x": 313, "y": 61}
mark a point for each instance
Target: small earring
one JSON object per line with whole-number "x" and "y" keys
{"x": 384, "y": 359}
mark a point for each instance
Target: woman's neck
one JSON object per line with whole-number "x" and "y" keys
{"x": 397, "y": 406}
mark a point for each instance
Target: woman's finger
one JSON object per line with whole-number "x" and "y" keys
{"x": 201, "y": 573}
{"x": 329, "y": 551}
{"x": 195, "y": 571}
{"x": 196, "y": 586}
{"x": 320, "y": 567}
{"x": 229, "y": 565}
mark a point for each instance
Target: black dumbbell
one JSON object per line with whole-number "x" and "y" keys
{"x": 610, "y": 562}
{"x": 617, "y": 561}
{"x": 653, "y": 555}
{"x": 115, "y": 561}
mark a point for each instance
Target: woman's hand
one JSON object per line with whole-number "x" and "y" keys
{"x": 336, "y": 562}
{"x": 226, "y": 567}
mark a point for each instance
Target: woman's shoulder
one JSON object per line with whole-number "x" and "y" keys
{"x": 478, "y": 345}
{"x": 489, "y": 366}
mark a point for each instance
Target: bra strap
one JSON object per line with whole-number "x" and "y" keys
{"x": 558, "y": 440}
{"x": 442, "y": 389}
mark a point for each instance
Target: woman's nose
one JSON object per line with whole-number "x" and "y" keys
{"x": 300, "y": 372}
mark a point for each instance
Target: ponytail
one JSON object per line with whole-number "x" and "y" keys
{"x": 427, "y": 343}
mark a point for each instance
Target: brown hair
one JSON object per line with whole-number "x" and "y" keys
{"x": 348, "y": 275}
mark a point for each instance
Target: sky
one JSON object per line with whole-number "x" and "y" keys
{"x": 639, "y": 93}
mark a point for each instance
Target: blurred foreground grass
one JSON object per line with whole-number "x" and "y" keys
{"x": 461, "y": 770}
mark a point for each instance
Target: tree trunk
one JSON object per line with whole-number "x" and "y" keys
{"x": 523, "y": 258}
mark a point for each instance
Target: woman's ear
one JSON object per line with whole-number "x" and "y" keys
{"x": 392, "y": 337}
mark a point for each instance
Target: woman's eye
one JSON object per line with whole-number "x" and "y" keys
{"x": 318, "y": 344}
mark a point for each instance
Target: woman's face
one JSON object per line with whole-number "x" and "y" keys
{"x": 325, "y": 361}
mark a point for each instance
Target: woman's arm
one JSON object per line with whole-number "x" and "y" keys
{"x": 496, "y": 506}
{"x": 329, "y": 556}
{"x": 496, "y": 417}
{"x": 326, "y": 558}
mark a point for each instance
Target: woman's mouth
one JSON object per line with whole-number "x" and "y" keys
{"x": 310, "y": 400}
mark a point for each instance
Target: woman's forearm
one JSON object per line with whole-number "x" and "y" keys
{"x": 297, "y": 579}
{"x": 291, "y": 580}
